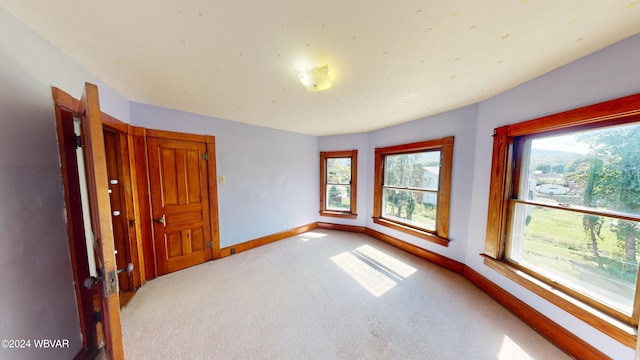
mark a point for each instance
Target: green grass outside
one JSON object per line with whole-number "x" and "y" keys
{"x": 564, "y": 232}
{"x": 423, "y": 215}
{"x": 556, "y": 240}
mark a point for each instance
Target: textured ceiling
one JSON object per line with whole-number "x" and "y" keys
{"x": 390, "y": 61}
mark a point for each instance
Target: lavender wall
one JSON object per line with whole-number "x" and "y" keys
{"x": 37, "y": 298}
{"x": 461, "y": 124}
{"x": 271, "y": 176}
{"x": 358, "y": 142}
{"x": 610, "y": 73}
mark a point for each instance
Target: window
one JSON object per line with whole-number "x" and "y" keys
{"x": 338, "y": 183}
{"x": 564, "y": 210}
{"x": 412, "y": 188}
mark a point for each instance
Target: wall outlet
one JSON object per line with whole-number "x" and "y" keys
{"x": 233, "y": 251}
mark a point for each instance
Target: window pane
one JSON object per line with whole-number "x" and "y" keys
{"x": 595, "y": 169}
{"x": 339, "y": 197}
{"x": 417, "y": 170}
{"x": 595, "y": 255}
{"x": 339, "y": 171}
{"x": 417, "y": 208}
{"x": 598, "y": 169}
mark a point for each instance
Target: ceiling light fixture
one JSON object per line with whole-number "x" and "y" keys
{"x": 315, "y": 79}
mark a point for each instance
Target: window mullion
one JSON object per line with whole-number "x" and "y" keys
{"x": 409, "y": 188}
{"x": 578, "y": 209}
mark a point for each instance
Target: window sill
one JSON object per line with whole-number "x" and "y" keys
{"x": 623, "y": 333}
{"x": 413, "y": 231}
{"x": 339, "y": 214}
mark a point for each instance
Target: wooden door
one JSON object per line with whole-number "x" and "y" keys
{"x": 75, "y": 228}
{"x": 100, "y": 211}
{"x": 119, "y": 212}
{"x": 178, "y": 176}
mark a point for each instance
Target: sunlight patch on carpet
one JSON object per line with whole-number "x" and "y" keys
{"x": 371, "y": 279}
{"x": 511, "y": 350}
{"x": 310, "y": 235}
{"x": 385, "y": 262}
{"x": 373, "y": 269}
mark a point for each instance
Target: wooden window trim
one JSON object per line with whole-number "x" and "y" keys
{"x": 614, "y": 112}
{"x": 445, "y": 145}
{"x": 324, "y": 155}
{"x": 623, "y": 333}
{"x": 419, "y": 233}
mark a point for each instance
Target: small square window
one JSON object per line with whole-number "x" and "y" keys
{"x": 338, "y": 183}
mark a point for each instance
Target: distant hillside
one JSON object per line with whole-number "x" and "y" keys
{"x": 554, "y": 157}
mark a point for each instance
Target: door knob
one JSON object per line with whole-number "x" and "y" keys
{"x": 160, "y": 220}
{"x": 92, "y": 280}
{"x": 127, "y": 269}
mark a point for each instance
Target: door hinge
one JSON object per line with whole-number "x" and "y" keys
{"x": 205, "y": 156}
{"x": 210, "y": 244}
{"x": 131, "y": 222}
{"x": 78, "y": 141}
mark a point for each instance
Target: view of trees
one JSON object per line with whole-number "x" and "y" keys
{"x": 605, "y": 178}
{"x": 406, "y": 178}
{"x": 339, "y": 175}
{"x": 613, "y": 180}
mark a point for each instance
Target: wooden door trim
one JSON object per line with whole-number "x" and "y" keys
{"x": 144, "y": 202}
{"x": 75, "y": 225}
{"x": 172, "y": 135}
{"x": 114, "y": 124}
{"x": 67, "y": 102}
{"x": 133, "y": 207}
{"x": 213, "y": 195}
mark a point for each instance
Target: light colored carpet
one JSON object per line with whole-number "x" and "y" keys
{"x": 323, "y": 295}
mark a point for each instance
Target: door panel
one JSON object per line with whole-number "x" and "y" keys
{"x": 180, "y": 203}
{"x": 100, "y": 210}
